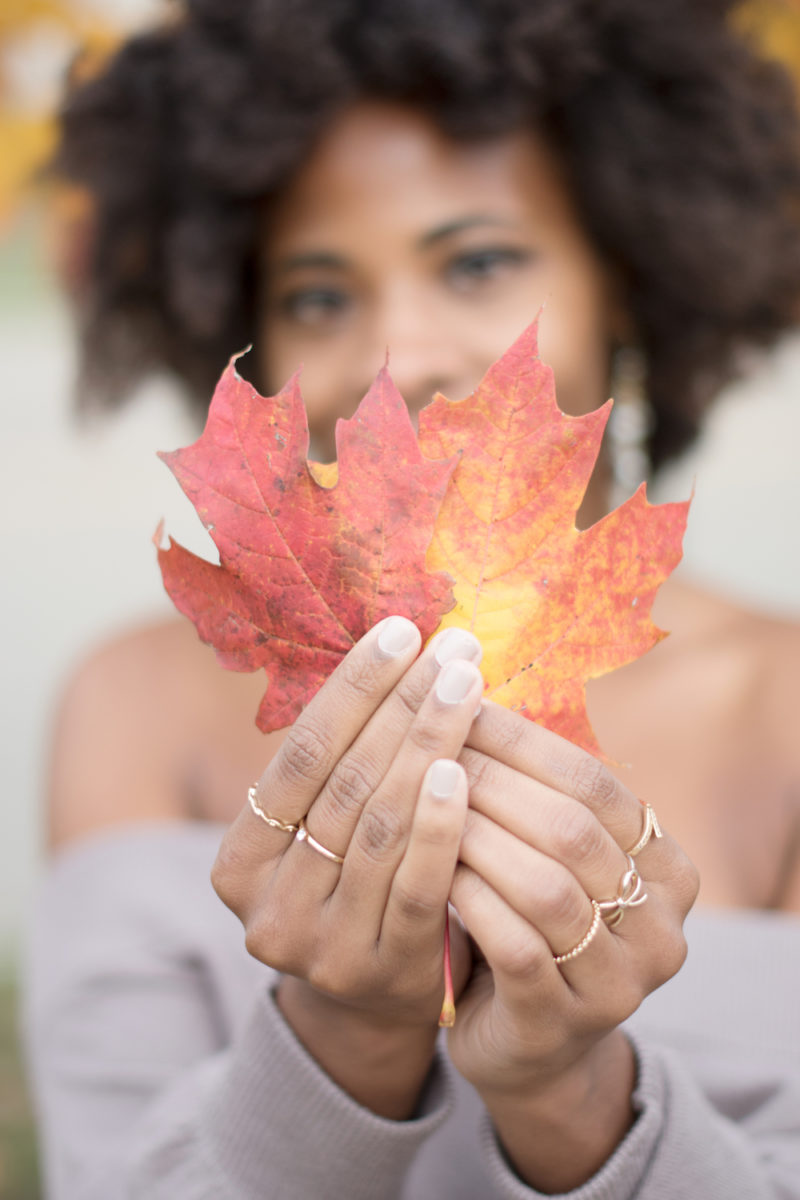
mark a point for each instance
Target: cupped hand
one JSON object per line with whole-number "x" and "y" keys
{"x": 369, "y": 767}
{"x": 547, "y": 832}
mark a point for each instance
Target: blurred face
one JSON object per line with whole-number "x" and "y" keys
{"x": 393, "y": 237}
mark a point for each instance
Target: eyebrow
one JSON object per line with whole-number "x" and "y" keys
{"x": 441, "y": 232}
{"x": 324, "y": 260}
{"x": 315, "y": 259}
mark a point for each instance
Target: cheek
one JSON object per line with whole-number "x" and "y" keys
{"x": 571, "y": 297}
{"x": 574, "y": 339}
{"x": 278, "y": 355}
{"x": 326, "y": 381}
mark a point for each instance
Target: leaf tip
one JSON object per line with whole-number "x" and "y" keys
{"x": 234, "y": 358}
{"x": 161, "y": 544}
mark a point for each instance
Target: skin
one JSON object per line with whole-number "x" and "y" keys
{"x": 377, "y": 242}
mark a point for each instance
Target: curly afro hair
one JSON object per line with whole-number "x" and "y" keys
{"x": 680, "y": 145}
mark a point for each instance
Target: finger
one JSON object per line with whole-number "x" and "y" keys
{"x": 517, "y": 953}
{"x": 601, "y": 979}
{"x": 627, "y": 960}
{"x": 382, "y": 833}
{"x": 535, "y": 751}
{"x": 323, "y": 732}
{"x": 541, "y": 890}
{"x": 417, "y": 904}
{"x": 359, "y": 773}
{"x": 555, "y": 824}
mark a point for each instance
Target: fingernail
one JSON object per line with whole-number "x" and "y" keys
{"x": 457, "y": 643}
{"x": 444, "y": 778}
{"x": 396, "y": 636}
{"x": 455, "y": 680}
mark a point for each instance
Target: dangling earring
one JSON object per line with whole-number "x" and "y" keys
{"x": 630, "y": 424}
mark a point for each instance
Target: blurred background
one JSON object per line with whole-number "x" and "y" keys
{"x": 81, "y": 501}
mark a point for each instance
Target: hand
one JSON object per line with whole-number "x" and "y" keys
{"x": 362, "y": 939}
{"x": 547, "y": 832}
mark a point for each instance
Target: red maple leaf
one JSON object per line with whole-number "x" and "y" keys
{"x": 305, "y": 569}
{"x": 311, "y": 556}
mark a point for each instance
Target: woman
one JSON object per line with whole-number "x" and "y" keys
{"x": 326, "y": 181}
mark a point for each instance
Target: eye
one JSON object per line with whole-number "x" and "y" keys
{"x": 474, "y": 268}
{"x": 313, "y": 305}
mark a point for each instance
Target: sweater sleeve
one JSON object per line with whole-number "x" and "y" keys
{"x": 684, "y": 1145}
{"x": 162, "y": 1067}
{"x": 718, "y": 1074}
{"x": 143, "y": 1089}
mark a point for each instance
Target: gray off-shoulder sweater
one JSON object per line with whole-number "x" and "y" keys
{"x": 163, "y": 1071}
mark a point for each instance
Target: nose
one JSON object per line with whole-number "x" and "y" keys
{"x": 425, "y": 350}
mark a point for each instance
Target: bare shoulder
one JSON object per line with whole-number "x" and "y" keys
{"x": 769, "y": 649}
{"x": 750, "y": 659}
{"x": 126, "y": 719}
{"x": 709, "y": 722}
{"x": 775, "y": 643}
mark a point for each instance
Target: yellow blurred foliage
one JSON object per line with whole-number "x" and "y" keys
{"x": 19, "y": 14}
{"x": 27, "y": 142}
{"x": 27, "y": 136}
{"x": 775, "y": 27}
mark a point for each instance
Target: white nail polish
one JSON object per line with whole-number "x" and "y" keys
{"x": 457, "y": 643}
{"x": 444, "y": 778}
{"x": 397, "y": 635}
{"x": 455, "y": 680}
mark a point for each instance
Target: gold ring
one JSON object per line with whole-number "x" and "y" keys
{"x": 630, "y": 896}
{"x": 303, "y": 835}
{"x": 585, "y": 940}
{"x": 273, "y": 822}
{"x": 650, "y": 828}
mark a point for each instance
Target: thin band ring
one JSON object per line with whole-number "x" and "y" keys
{"x": 587, "y": 938}
{"x": 650, "y": 828}
{"x": 273, "y": 822}
{"x": 303, "y": 835}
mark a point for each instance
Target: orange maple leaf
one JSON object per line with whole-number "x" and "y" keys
{"x": 310, "y": 557}
{"x": 552, "y": 607}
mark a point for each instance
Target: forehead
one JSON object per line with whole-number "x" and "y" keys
{"x": 389, "y": 167}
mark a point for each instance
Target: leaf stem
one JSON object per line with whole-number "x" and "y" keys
{"x": 447, "y": 1017}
